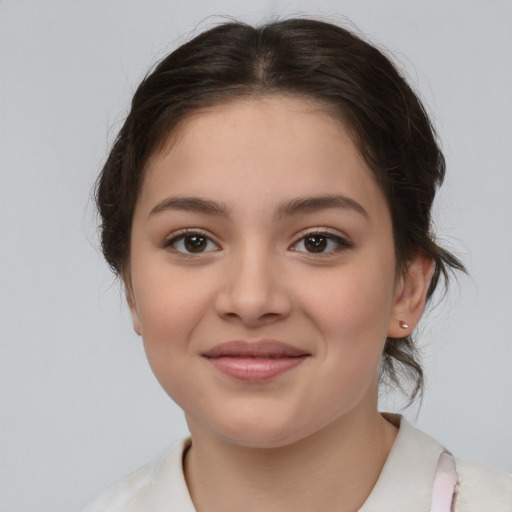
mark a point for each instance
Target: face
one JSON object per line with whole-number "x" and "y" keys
{"x": 262, "y": 272}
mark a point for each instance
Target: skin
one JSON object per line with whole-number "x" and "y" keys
{"x": 310, "y": 438}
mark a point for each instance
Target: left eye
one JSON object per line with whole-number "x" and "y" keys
{"x": 192, "y": 243}
{"x": 318, "y": 243}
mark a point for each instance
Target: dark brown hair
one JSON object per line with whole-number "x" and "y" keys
{"x": 315, "y": 60}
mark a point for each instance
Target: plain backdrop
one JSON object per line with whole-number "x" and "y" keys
{"x": 79, "y": 405}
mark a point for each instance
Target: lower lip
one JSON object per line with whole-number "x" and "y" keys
{"x": 255, "y": 369}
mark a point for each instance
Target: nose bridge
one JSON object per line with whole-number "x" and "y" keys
{"x": 252, "y": 272}
{"x": 253, "y": 290}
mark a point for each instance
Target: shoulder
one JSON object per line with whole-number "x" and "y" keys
{"x": 148, "y": 488}
{"x": 482, "y": 487}
{"x": 407, "y": 480}
{"x": 121, "y": 495}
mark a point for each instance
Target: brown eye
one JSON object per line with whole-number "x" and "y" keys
{"x": 321, "y": 243}
{"x": 195, "y": 243}
{"x": 315, "y": 243}
{"x": 191, "y": 243}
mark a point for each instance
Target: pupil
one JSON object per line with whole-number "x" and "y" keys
{"x": 195, "y": 243}
{"x": 315, "y": 243}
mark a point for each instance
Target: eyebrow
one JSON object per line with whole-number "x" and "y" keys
{"x": 192, "y": 204}
{"x": 323, "y": 202}
{"x": 300, "y": 205}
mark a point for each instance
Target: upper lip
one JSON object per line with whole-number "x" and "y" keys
{"x": 270, "y": 349}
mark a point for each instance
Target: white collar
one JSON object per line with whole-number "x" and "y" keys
{"x": 404, "y": 485}
{"x": 405, "y": 482}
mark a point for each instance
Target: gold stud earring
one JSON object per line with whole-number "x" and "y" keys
{"x": 404, "y": 325}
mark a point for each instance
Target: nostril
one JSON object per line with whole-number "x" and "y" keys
{"x": 252, "y": 298}
{"x": 271, "y": 315}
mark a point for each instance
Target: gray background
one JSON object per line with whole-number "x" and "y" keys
{"x": 79, "y": 405}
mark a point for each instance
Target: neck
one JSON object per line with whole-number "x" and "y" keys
{"x": 333, "y": 469}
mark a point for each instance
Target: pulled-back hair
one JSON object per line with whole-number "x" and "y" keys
{"x": 315, "y": 60}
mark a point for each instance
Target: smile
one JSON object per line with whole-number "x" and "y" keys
{"x": 255, "y": 361}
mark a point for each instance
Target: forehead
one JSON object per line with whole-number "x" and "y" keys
{"x": 272, "y": 146}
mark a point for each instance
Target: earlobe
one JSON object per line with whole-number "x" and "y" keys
{"x": 135, "y": 320}
{"x": 137, "y": 327}
{"x": 411, "y": 294}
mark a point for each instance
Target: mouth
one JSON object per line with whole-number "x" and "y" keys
{"x": 255, "y": 361}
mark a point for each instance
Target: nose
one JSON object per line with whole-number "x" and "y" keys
{"x": 254, "y": 290}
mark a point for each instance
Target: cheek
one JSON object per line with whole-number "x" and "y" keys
{"x": 356, "y": 302}
{"x": 170, "y": 310}
{"x": 353, "y": 324}
{"x": 351, "y": 311}
{"x": 170, "y": 304}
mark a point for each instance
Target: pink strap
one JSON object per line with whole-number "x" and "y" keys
{"x": 445, "y": 484}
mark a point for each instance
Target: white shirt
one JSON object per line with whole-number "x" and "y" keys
{"x": 404, "y": 485}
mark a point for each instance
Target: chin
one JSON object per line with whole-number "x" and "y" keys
{"x": 261, "y": 439}
{"x": 249, "y": 430}
{"x": 264, "y": 433}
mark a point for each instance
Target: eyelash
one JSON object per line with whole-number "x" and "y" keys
{"x": 188, "y": 233}
{"x": 342, "y": 243}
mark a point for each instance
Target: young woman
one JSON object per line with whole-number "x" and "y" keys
{"x": 267, "y": 206}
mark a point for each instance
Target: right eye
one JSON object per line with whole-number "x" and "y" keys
{"x": 321, "y": 243}
{"x": 191, "y": 243}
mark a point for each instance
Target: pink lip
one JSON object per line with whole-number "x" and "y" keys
{"x": 255, "y": 361}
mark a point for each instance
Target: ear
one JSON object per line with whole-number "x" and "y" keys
{"x": 130, "y": 299}
{"x": 410, "y": 296}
